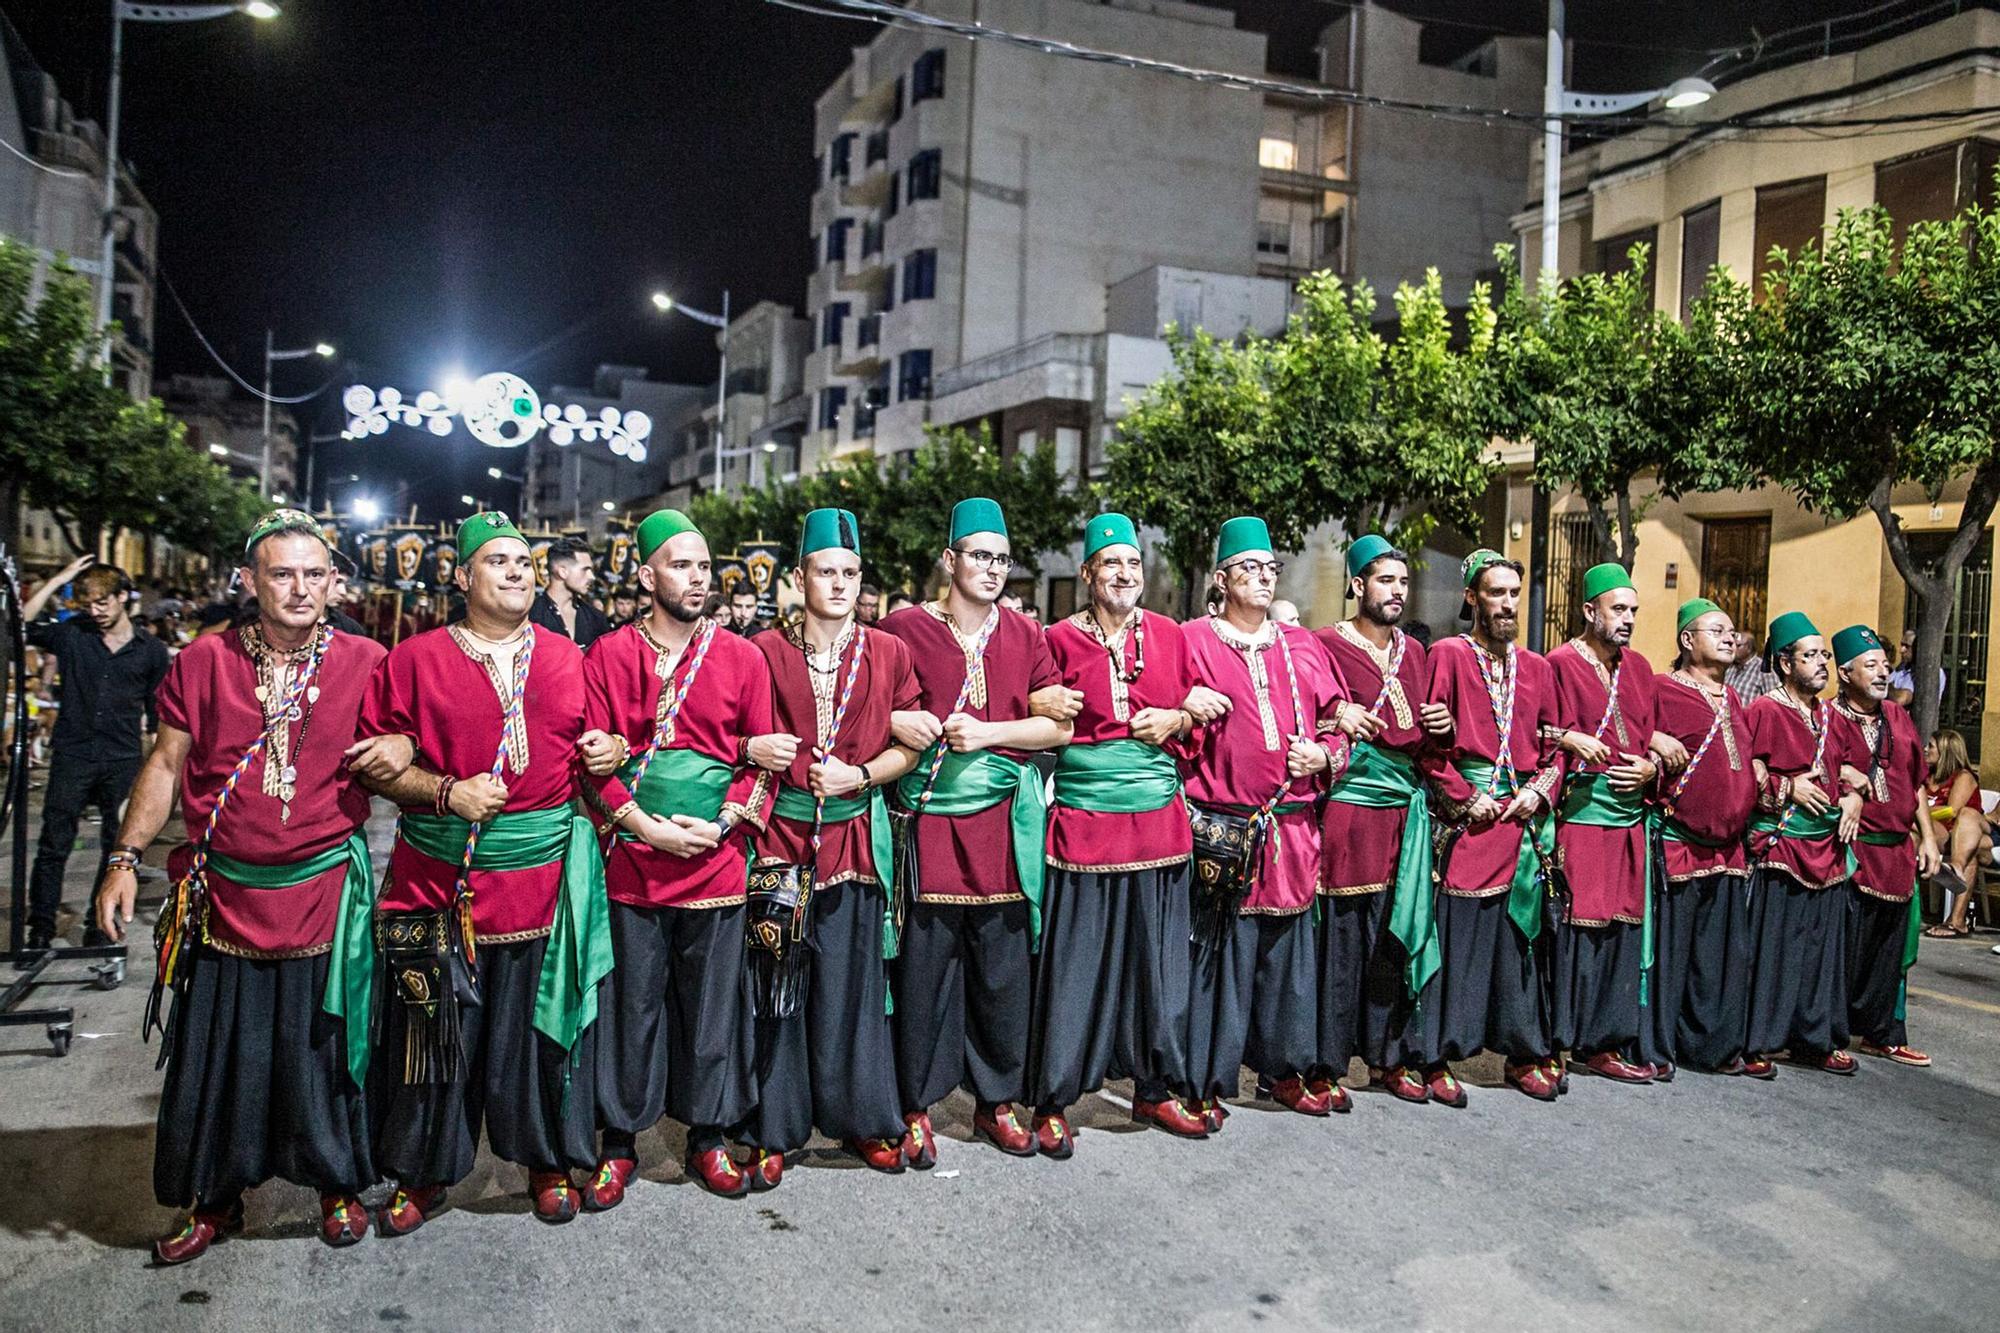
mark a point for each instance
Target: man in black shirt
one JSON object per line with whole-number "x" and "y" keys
{"x": 110, "y": 668}
{"x": 743, "y": 611}
{"x": 564, "y": 606}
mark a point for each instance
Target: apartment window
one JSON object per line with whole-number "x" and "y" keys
{"x": 920, "y": 275}
{"x": 896, "y": 111}
{"x": 927, "y": 76}
{"x": 1613, "y": 253}
{"x": 895, "y": 203}
{"x": 1701, "y": 237}
{"x": 831, "y": 321}
{"x": 1332, "y": 241}
{"x": 832, "y": 399}
{"x": 868, "y": 330}
{"x": 1277, "y": 154}
{"x": 877, "y": 147}
{"x": 1789, "y": 216}
{"x": 1934, "y": 185}
{"x": 871, "y": 238}
{"x": 926, "y": 173}
{"x": 840, "y": 156}
{"x": 836, "y": 239}
{"x": 1274, "y": 238}
{"x": 913, "y": 375}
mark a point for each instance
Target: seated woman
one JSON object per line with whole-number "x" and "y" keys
{"x": 1952, "y": 796}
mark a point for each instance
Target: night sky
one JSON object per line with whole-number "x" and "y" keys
{"x": 500, "y": 184}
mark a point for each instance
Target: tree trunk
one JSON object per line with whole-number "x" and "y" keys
{"x": 1935, "y": 589}
{"x": 1600, "y": 525}
{"x": 1628, "y": 533}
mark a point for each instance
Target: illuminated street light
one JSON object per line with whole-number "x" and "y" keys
{"x": 367, "y": 510}
{"x": 274, "y": 353}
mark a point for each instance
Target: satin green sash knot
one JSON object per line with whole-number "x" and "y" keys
{"x": 678, "y": 782}
{"x": 1378, "y": 778}
{"x": 578, "y": 955}
{"x": 799, "y": 804}
{"x": 350, "y": 970}
{"x": 1538, "y": 843}
{"x": 969, "y": 783}
{"x": 1121, "y": 777}
{"x": 1800, "y": 824}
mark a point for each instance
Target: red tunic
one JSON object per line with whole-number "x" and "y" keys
{"x": 210, "y": 692}
{"x": 1887, "y": 871}
{"x": 1781, "y": 738}
{"x": 433, "y": 690}
{"x": 1720, "y": 788}
{"x": 887, "y": 684}
{"x": 1360, "y": 845}
{"x": 1240, "y": 760}
{"x": 1482, "y": 860}
{"x": 968, "y": 858}
{"x": 1606, "y": 867}
{"x": 728, "y": 703}
{"x": 1098, "y": 840}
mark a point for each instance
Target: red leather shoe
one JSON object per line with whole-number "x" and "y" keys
{"x": 1557, "y": 1069}
{"x": 408, "y": 1208}
{"x": 716, "y": 1171}
{"x": 1444, "y": 1088}
{"x": 607, "y": 1188}
{"x": 343, "y": 1220}
{"x": 1214, "y": 1112}
{"x": 1611, "y": 1065}
{"x": 1533, "y": 1080}
{"x": 1001, "y": 1127}
{"x": 1173, "y": 1115}
{"x": 1902, "y": 1055}
{"x": 1838, "y": 1062}
{"x": 767, "y": 1170}
{"x": 1329, "y": 1091}
{"x": 1663, "y": 1071}
{"x": 1293, "y": 1094}
{"x": 554, "y": 1196}
{"x": 884, "y": 1155}
{"x": 204, "y": 1227}
{"x": 920, "y": 1140}
{"x": 1401, "y": 1083}
{"x": 1052, "y": 1137}
{"x": 1759, "y": 1067}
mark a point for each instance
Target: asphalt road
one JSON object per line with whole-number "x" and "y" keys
{"x": 1812, "y": 1202}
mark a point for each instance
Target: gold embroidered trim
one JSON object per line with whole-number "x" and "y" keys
{"x": 1877, "y": 893}
{"x": 1609, "y": 681}
{"x": 844, "y": 877}
{"x": 1274, "y": 911}
{"x": 1793, "y": 875}
{"x": 1718, "y": 704}
{"x": 1492, "y": 892}
{"x": 260, "y": 955}
{"x": 975, "y": 667}
{"x": 1349, "y": 890}
{"x": 1114, "y": 649}
{"x": 970, "y": 899}
{"x": 517, "y": 728}
{"x": 1734, "y": 872}
{"x": 1252, "y": 651}
{"x": 515, "y": 936}
{"x": 1160, "y": 864}
{"x": 1392, "y": 682}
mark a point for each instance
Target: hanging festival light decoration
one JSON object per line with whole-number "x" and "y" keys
{"x": 501, "y": 410}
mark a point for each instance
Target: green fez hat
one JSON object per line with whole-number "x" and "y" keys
{"x": 1475, "y": 564}
{"x": 1366, "y": 552}
{"x": 977, "y": 514}
{"x": 658, "y": 528}
{"x": 1787, "y": 630}
{"x": 829, "y": 529}
{"x": 1853, "y": 641}
{"x": 1244, "y": 533}
{"x": 1600, "y": 579}
{"x": 1693, "y": 609}
{"x": 1108, "y": 530}
{"x": 482, "y": 528}
{"x": 283, "y": 520}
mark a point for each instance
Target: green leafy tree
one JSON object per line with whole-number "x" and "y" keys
{"x": 1864, "y": 369}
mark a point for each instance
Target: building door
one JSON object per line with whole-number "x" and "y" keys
{"x": 1573, "y": 549}
{"x": 1965, "y": 636}
{"x": 1736, "y": 569}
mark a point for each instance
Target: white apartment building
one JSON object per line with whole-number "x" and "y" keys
{"x": 582, "y": 484}
{"x": 230, "y": 429}
{"x": 765, "y": 412}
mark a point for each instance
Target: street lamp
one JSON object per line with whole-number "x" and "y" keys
{"x": 367, "y": 510}
{"x": 665, "y": 303}
{"x": 121, "y": 11}
{"x": 279, "y": 354}
{"x": 1558, "y": 102}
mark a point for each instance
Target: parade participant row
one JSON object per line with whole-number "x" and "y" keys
{"x": 814, "y": 881}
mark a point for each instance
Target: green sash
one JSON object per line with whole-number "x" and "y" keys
{"x": 1126, "y": 777}
{"x": 1538, "y": 843}
{"x": 1800, "y": 825}
{"x": 969, "y": 783}
{"x": 1590, "y": 799}
{"x": 578, "y": 955}
{"x": 800, "y": 804}
{"x": 678, "y": 782}
{"x": 350, "y": 972}
{"x": 1378, "y": 778}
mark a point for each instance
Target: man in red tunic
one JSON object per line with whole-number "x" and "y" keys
{"x": 265, "y": 942}
{"x": 963, "y": 982}
{"x": 1604, "y": 703}
{"x": 1111, "y": 998}
{"x": 822, "y": 928}
{"x": 1493, "y": 784}
{"x": 1259, "y": 769}
{"x": 492, "y": 916}
{"x": 1699, "y": 991}
{"x": 688, "y": 706}
{"x": 1806, "y": 815}
{"x": 1882, "y": 920}
{"x": 1378, "y": 930}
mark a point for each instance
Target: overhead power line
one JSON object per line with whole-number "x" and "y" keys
{"x": 230, "y": 370}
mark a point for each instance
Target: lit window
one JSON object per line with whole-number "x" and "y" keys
{"x": 1278, "y": 154}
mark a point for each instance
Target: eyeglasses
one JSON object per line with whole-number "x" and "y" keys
{"x": 1712, "y": 629}
{"x": 985, "y": 560}
{"x": 1260, "y": 568}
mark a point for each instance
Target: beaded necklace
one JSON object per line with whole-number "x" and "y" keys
{"x": 1122, "y": 680}
{"x": 282, "y": 705}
